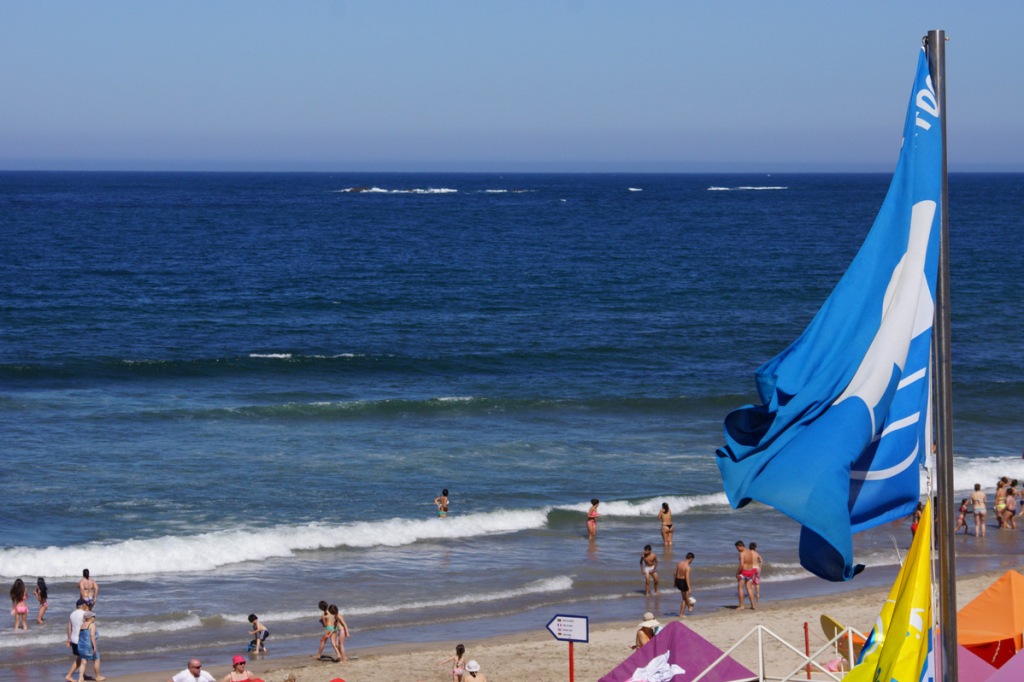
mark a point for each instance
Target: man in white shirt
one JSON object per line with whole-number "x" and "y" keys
{"x": 193, "y": 673}
{"x": 74, "y": 628}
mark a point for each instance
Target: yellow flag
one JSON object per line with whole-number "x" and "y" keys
{"x": 900, "y": 645}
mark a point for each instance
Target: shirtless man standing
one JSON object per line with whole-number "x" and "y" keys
{"x": 649, "y": 566}
{"x": 683, "y": 582}
{"x": 88, "y": 589}
{"x": 745, "y": 574}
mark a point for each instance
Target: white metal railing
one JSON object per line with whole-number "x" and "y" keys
{"x": 807, "y": 661}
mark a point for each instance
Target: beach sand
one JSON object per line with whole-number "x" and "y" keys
{"x": 538, "y": 657}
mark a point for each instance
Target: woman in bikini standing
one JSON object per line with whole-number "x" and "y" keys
{"x": 1000, "y": 503}
{"x": 592, "y": 519}
{"x": 1010, "y": 513}
{"x": 978, "y": 505}
{"x": 665, "y": 516}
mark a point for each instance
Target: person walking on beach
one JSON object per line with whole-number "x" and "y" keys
{"x": 340, "y": 630}
{"x": 649, "y": 567}
{"x": 193, "y": 673}
{"x": 745, "y": 575}
{"x": 665, "y": 516}
{"x": 88, "y": 589}
{"x": 458, "y": 662}
{"x": 592, "y": 519}
{"x": 74, "y": 629}
{"x": 42, "y": 596}
{"x": 978, "y": 505}
{"x": 683, "y": 583}
{"x": 758, "y": 563}
{"x": 88, "y": 650}
{"x": 330, "y": 627}
{"x": 441, "y": 502}
{"x": 19, "y": 604}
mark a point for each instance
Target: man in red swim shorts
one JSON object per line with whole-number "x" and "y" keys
{"x": 745, "y": 574}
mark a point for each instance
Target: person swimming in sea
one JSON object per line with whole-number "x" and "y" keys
{"x": 441, "y": 502}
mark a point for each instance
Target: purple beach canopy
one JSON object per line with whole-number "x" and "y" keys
{"x": 677, "y": 654}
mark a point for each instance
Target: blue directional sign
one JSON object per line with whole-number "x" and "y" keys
{"x": 570, "y": 628}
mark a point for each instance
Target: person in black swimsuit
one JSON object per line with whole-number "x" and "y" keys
{"x": 683, "y": 583}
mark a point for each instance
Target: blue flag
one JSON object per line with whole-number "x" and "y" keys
{"x": 837, "y": 443}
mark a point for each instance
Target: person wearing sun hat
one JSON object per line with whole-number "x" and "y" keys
{"x": 238, "y": 672}
{"x": 646, "y": 630}
{"x": 473, "y": 671}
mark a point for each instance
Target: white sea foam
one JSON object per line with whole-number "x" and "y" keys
{"x": 636, "y": 189}
{"x": 544, "y": 586}
{"x": 744, "y": 188}
{"x": 651, "y": 506}
{"x": 383, "y": 190}
{"x": 108, "y": 629}
{"x": 208, "y": 551}
{"x": 272, "y": 356}
{"x": 984, "y": 470}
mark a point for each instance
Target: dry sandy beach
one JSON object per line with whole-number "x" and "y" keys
{"x": 538, "y": 657}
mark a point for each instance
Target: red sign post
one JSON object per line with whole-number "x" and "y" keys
{"x": 570, "y": 629}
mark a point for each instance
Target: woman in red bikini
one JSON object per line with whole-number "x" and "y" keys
{"x": 592, "y": 519}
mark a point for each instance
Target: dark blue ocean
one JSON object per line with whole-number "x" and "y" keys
{"x": 236, "y": 393}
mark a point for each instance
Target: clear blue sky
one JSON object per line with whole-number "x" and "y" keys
{"x": 551, "y": 85}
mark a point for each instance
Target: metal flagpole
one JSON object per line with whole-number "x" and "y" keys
{"x": 936, "y": 44}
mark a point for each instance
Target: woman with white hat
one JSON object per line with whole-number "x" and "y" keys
{"x": 473, "y": 672}
{"x": 646, "y": 630}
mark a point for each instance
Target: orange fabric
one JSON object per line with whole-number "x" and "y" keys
{"x": 994, "y": 617}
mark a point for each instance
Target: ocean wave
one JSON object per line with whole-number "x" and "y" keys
{"x": 218, "y": 548}
{"x": 983, "y": 470}
{"x": 543, "y": 586}
{"x": 315, "y": 410}
{"x": 746, "y": 188}
{"x": 381, "y": 190}
{"x": 651, "y": 506}
{"x": 111, "y": 629}
{"x": 209, "y": 551}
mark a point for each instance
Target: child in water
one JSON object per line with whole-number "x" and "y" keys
{"x": 330, "y": 623}
{"x": 961, "y": 521}
{"x": 41, "y": 593}
{"x": 259, "y": 634}
{"x": 340, "y": 631}
{"x": 19, "y": 605}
